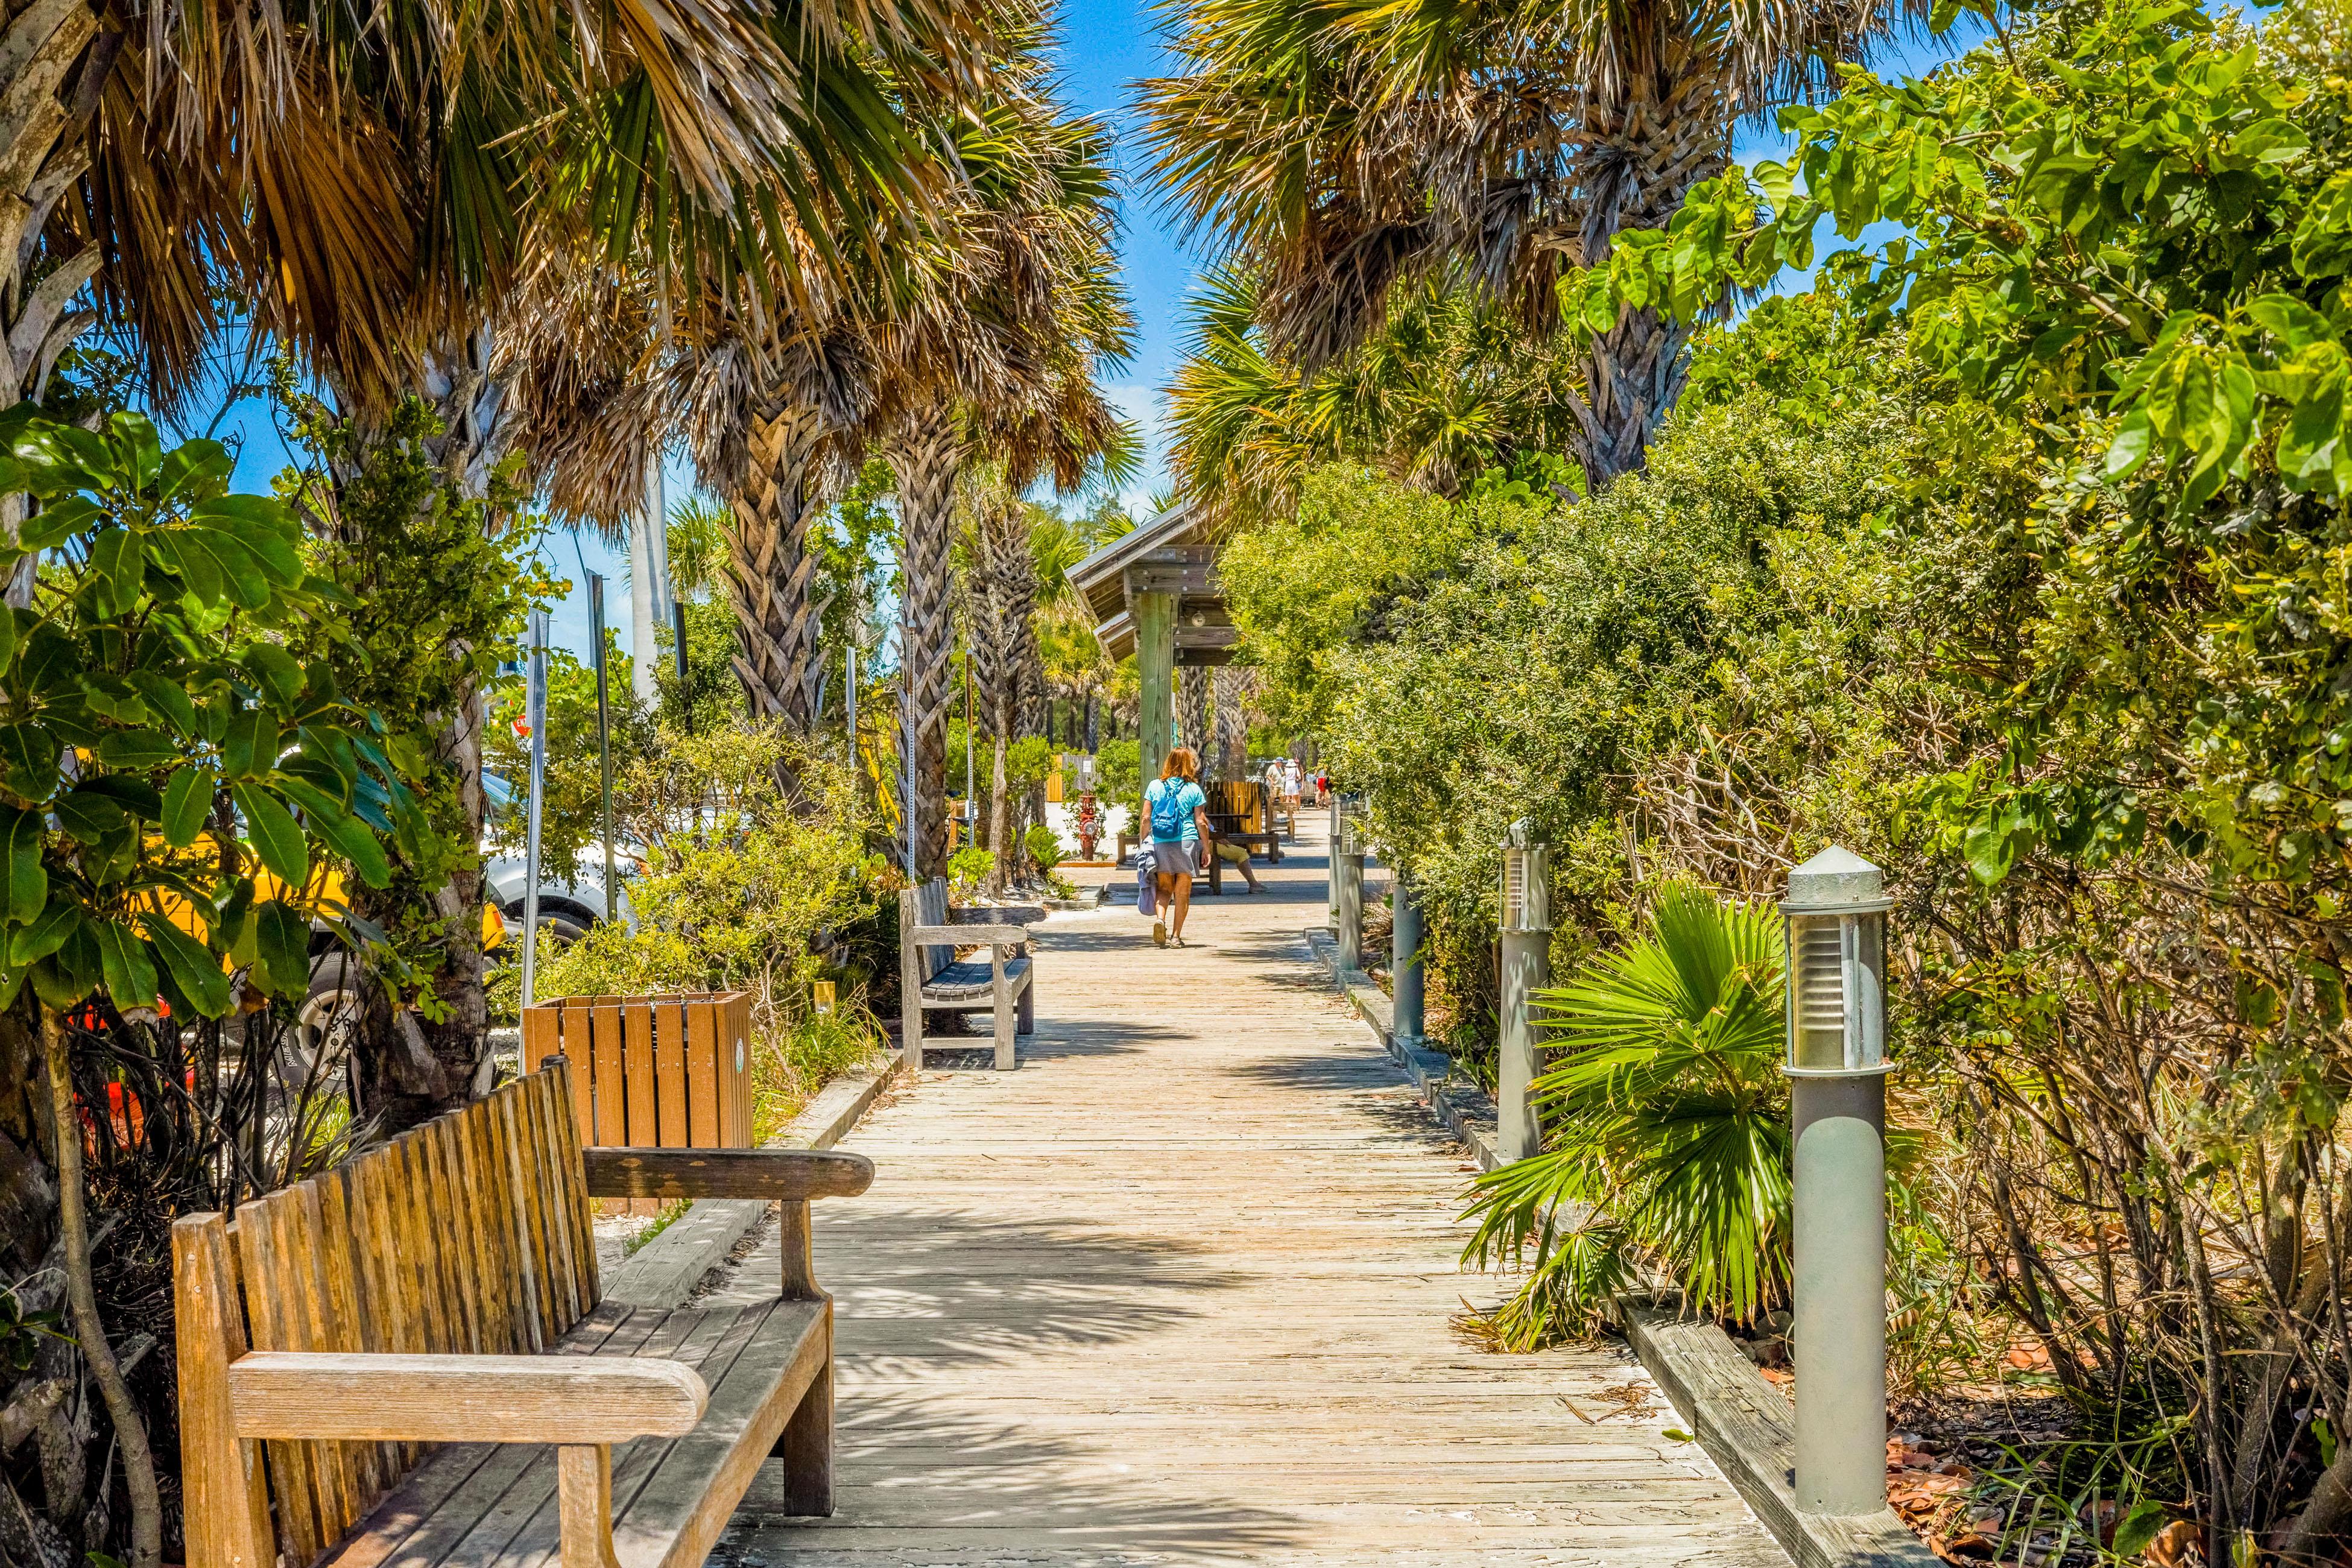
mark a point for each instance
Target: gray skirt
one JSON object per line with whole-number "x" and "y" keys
{"x": 1175, "y": 859}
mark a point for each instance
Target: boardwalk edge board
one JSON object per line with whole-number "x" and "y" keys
{"x": 1742, "y": 1421}
{"x": 1748, "y": 1430}
{"x": 1465, "y": 1109}
{"x": 665, "y": 1271}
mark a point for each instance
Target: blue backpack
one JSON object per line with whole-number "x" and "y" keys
{"x": 1168, "y": 813}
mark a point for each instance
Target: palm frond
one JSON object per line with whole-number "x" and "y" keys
{"x": 1664, "y": 1107}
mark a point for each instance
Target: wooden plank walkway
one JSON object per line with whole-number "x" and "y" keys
{"x": 1178, "y": 1291}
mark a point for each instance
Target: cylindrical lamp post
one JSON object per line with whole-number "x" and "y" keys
{"x": 1526, "y": 966}
{"x": 1405, "y": 1016}
{"x": 1348, "y": 888}
{"x": 1837, "y": 913}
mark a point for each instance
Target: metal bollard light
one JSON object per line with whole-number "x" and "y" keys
{"x": 1347, "y": 892}
{"x": 1331, "y": 882}
{"x": 1406, "y": 1013}
{"x": 1836, "y": 915}
{"x": 1526, "y": 965}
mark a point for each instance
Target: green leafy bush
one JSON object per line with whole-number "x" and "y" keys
{"x": 1044, "y": 847}
{"x": 968, "y": 870}
{"x": 215, "y": 779}
{"x": 748, "y": 881}
{"x": 1118, "y": 772}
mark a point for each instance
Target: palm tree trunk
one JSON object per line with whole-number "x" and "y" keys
{"x": 1233, "y": 731}
{"x": 999, "y": 802}
{"x": 1650, "y": 157}
{"x": 770, "y": 567}
{"x": 1633, "y": 377}
{"x": 928, "y": 459}
{"x": 1192, "y": 706}
{"x": 414, "y": 1066}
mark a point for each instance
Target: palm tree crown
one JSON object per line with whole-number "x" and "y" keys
{"x": 1335, "y": 148}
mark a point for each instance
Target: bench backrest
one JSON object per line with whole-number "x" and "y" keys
{"x": 651, "y": 1072}
{"x": 1237, "y": 806}
{"x": 926, "y": 905}
{"x": 469, "y": 1234}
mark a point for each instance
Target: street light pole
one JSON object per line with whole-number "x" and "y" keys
{"x": 535, "y": 715}
{"x": 603, "y": 737}
{"x": 1837, "y": 1067}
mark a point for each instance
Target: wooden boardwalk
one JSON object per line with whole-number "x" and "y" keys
{"x": 1178, "y": 1291}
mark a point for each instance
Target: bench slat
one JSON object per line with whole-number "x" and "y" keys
{"x": 479, "y": 1506}
{"x": 293, "y": 1491}
{"x": 972, "y": 979}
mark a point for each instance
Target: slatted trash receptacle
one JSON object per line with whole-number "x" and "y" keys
{"x": 668, "y": 1072}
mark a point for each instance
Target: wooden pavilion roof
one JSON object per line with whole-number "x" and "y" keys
{"x": 1168, "y": 554}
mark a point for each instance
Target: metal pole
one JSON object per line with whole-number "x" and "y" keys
{"x": 1404, "y": 960}
{"x": 1837, "y": 1070}
{"x": 971, "y": 801}
{"x": 1348, "y": 884}
{"x": 1841, "y": 1318}
{"x": 1331, "y": 882}
{"x": 603, "y": 737}
{"x": 534, "y": 715}
{"x": 1525, "y": 967}
{"x": 678, "y": 664}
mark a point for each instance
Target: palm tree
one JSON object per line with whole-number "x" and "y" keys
{"x": 1448, "y": 386}
{"x": 1667, "y": 1128}
{"x": 1339, "y": 148}
{"x": 1005, "y": 371}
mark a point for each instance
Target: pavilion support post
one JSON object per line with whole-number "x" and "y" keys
{"x": 1155, "y": 669}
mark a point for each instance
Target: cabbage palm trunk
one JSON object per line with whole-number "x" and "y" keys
{"x": 928, "y": 458}
{"x": 1003, "y": 635}
{"x": 412, "y": 1064}
{"x": 1231, "y": 684}
{"x": 1192, "y": 709}
{"x": 770, "y": 567}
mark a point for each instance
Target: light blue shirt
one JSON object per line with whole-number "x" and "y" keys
{"x": 1188, "y": 799}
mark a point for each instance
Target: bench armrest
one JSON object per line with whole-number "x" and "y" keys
{"x": 463, "y": 1398}
{"x": 968, "y": 936}
{"x": 791, "y": 1175}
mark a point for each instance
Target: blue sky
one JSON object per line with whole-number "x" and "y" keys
{"x": 1106, "y": 46}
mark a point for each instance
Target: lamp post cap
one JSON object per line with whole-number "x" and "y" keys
{"x": 1523, "y": 835}
{"x": 1836, "y": 880}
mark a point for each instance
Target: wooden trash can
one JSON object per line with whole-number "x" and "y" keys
{"x": 668, "y": 1072}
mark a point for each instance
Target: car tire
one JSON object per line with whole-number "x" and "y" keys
{"x": 326, "y": 1020}
{"x": 562, "y": 928}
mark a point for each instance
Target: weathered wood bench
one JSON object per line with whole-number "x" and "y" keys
{"x": 931, "y": 978}
{"x": 1240, "y": 813}
{"x": 407, "y": 1361}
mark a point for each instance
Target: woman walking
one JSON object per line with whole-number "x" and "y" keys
{"x": 1179, "y": 828}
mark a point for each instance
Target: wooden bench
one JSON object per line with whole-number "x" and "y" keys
{"x": 931, "y": 978}
{"x": 1239, "y": 813}
{"x": 406, "y": 1362}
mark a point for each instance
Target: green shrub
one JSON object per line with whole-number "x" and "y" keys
{"x": 747, "y": 883}
{"x": 1045, "y": 847}
{"x": 1118, "y": 772}
{"x": 968, "y": 870}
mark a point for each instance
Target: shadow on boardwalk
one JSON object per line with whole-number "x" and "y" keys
{"x": 1180, "y": 1289}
